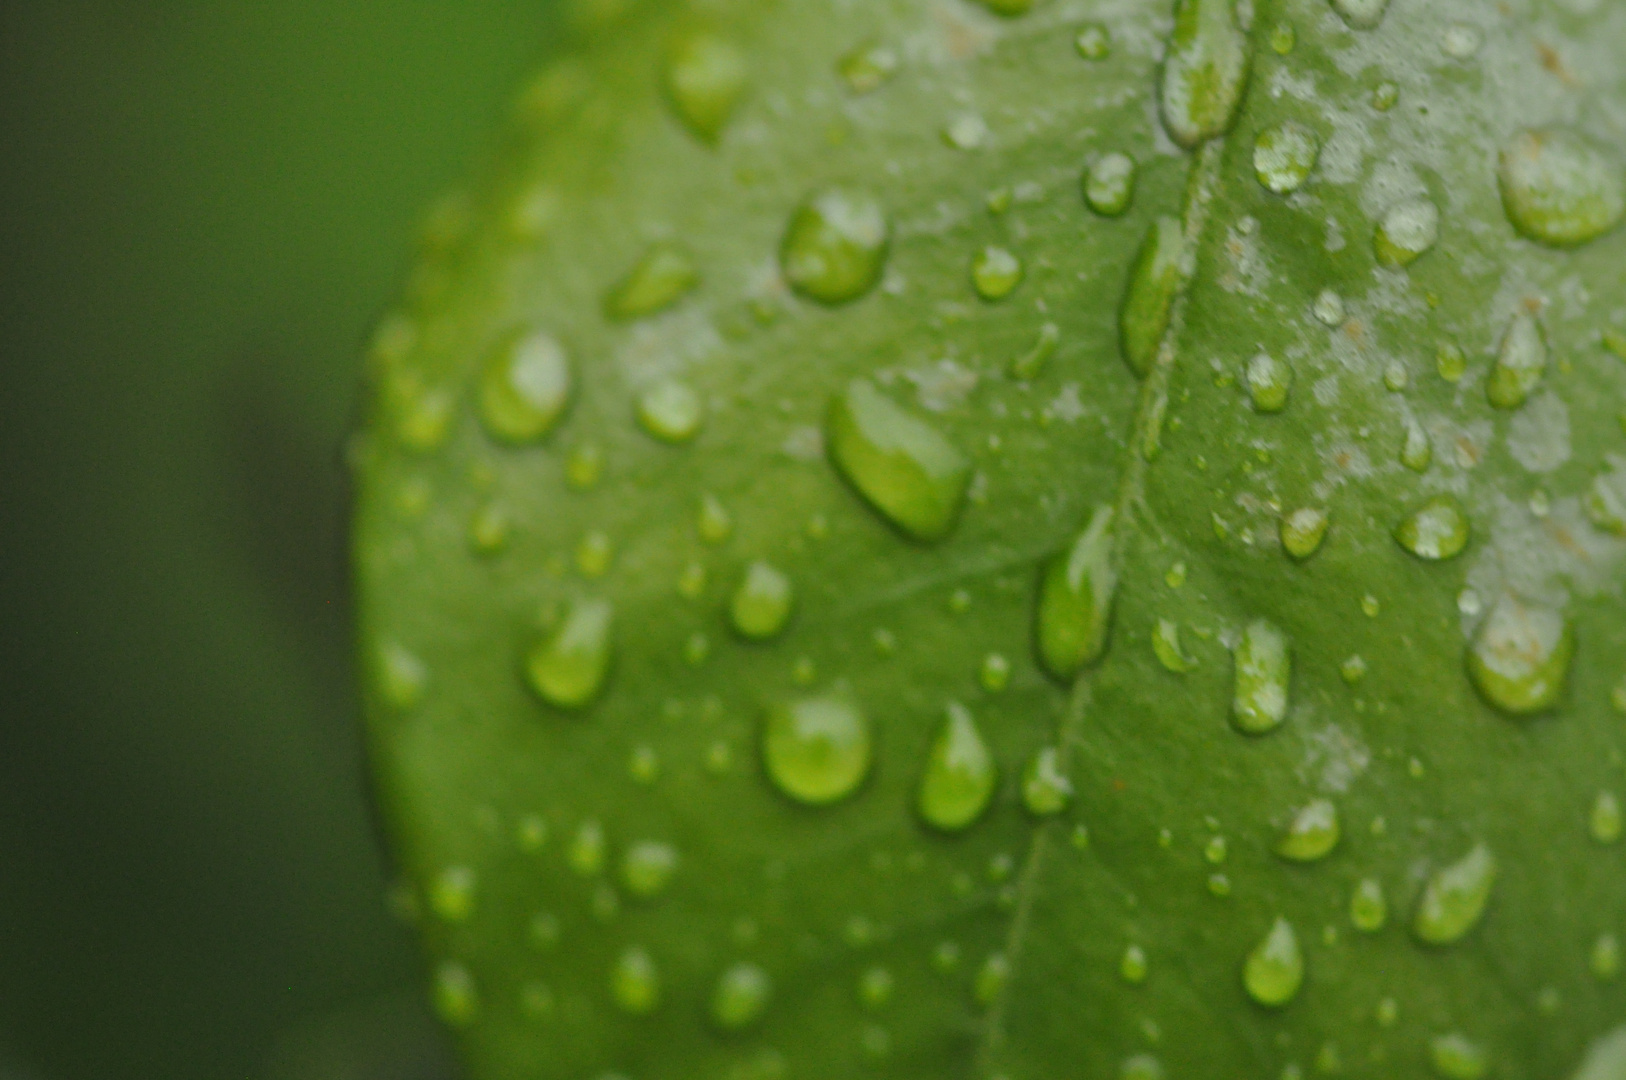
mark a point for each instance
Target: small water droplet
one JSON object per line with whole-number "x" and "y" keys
{"x": 1370, "y": 607}
{"x": 1329, "y": 308}
{"x": 662, "y": 276}
{"x": 741, "y": 996}
{"x": 1283, "y": 38}
{"x": 1395, "y": 377}
{"x": 1361, "y": 14}
{"x": 1303, "y": 530}
{"x": 960, "y": 774}
{"x": 995, "y": 673}
{"x": 1457, "y": 1057}
{"x": 706, "y": 77}
{"x": 1605, "y": 501}
{"x": 457, "y": 1000}
{"x": 1046, "y": 790}
{"x": 869, "y": 67}
{"x": 594, "y": 553}
{"x": 691, "y": 584}
{"x": 1215, "y": 850}
{"x": 1461, "y": 41}
{"x": 531, "y": 833}
{"x": 1436, "y": 530}
{"x": 1353, "y": 670}
{"x": 489, "y": 528}
{"x": 1148, "y": 303}
{"x": 968, "y": 131}
{"x": 635, "y": 982}
{"x": 1417, "y": 452}
{"x": 1283, "y": 157}
{"x": 995, "y": 273}
{"x": 1141, "y": 1067}
{"x": 1166, "y": 647}
{"x": 568, "y": 670}
{"x": 1407, "y": 232}
{"x": 991, "y": 978}
{"x": 1269, "y": 382}
{"x": 899, "y": 463}
{"x": 1605, "y": 823}
{"x": 536, "y": 1000}
{"x": 1274, "y": 970}
{"x": 542, "y": 931}
{"x": 584, "y": 466}
{"x": 402, "y": 678}
{"x": 817, "y": 750}
{"x": 1385, "y": 96}
{"x": 1094, "y": 42}
{"x": 1264, "y": 668}
{"x": 1559, "y": 188}
{"x": 696, "y": 649}
{"x": 875, "y": 987}
{"x": 1028, "y": 366}
{"x": 606, "y": 905}
{"x": 1176, "y": 576}
{"x": 1076, "y": 592}
{"x": 1605, "y": 959}
{"x": 1312, "y": 834}
{"x": 1109, "y": 184}
{"x": 1204, "y": 71}
{"x": 1368, "y": 908}
{"x": 1134, "y": 966}
{"x": 451, "y": 894}
{"x": 715, "y": 523}
{"x": 762, "y": 604}
{"x": 524, "y": 388}
{"x": 647, "y": 868}
{"x": 1451, "y": 362}
{"x": 836, "y": 245}
{"x": 1520, "y": 658}
{"x": 671, "y": 411}
{"x": 1454, "y": 898}
{"x": 588, "y": 849}
{"x": 1521, "y": 362}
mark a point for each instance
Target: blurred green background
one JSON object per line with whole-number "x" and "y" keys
{"x": 203, "y": 207}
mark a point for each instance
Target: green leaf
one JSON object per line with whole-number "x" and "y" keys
{"x": 1166, "y": 840}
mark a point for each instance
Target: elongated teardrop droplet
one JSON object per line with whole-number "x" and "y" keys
{"x": 1264, "y": 668}
{"x": 705, "y": 78}
{"x": 1312, "y": 834}
{"x": 525, "y": 388}
{"x": 1076, "y": 592}
{"x": 568, "y": 670}
{"x": 835, "y": 247}
{"x": 1519, "y": 660}
{"x": 1435, "y": 531}
{"x": 1559, "y": 189}
{"x": 1521, "y": 362}
{"x": 1454, "y": 898}
{"x": 1368, "y": 908}
{"x": 817, "y": 750}
{"x": 1148, "y": 304}
{"x": 899, "y": 463}
{"x": 1274, "y": 970}
{"x": 960, "y": 774}
{"x": 663, "y": 276}
{"x": 1205, "y": 71}
{"x": 1046, "y": 790}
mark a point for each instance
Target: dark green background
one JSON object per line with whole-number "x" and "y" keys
{"x": 202, "y": 208}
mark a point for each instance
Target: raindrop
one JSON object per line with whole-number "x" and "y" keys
{"x": 594, "y": 554}
{"x": 1605, "y": 823}
{"x": 1461, "y": 41}
{"x": 1560, "y": 189}
{"x": 1046, "y": 790}
{"x": 663, "y": 276}
{"x": 1274, "y": 970}
{"x": 1520, "y": 363}
{"x": 1076, "y": 592}
{"x": 991, "y": 978}
{"x": 451, "y": 894}
{"x": 1361, "y": 14}
{"x": 1204, "y": 72}
{"x": 836, "y": 245}
{"x": 715, "y": 524}
{"x": 1457, "y": 1057}
{"x": 531, "y": 834}
{"x": 1093, "y": 42}
{"x": 489, "y": 529}
{"x": 568, "y": 670}
{"x": 584, "y": 466}
{"x": 457, "y": 1001}
{"x": 1109, "y": 184}
{"x": 1028, "y": 366}
{"x": 671, "y": 411}
{"x": 899, "y": 463}
{"x": 1605, "y": 959}
{"x": 525, "y": 388}
{"x": 1417, "y": 452}
{"x": 1407, "y": 232}
{"x": 1269, "y": 382}
{"x": 542, "y": 931}
{"x": 588, "y": 849}
{"x": 762, "y": 603}
{"x": 635, "y": 983}
{"x": 1353, "y": 670}
{"x": 647, "y": 868}
{"x": 705, "y": 77}
{"x": 1520, "y": 658}
{"x": 1368, "y": 908}
{"x": 1264, "y": 668}
{"x": 1134, "y": 965}
{"x": 1303, "y": 530}
{"x": 1166, "y": 647}
{"x": 1283, "y": 157}
{"x": 741, "y": 996}
{"x": 1435, "y": 531}
{"x": 1385, "y": 96}
{"x": 995, "y": 273}
{"x": 817, "y": 750}
{"x": 1141, "y": 1067}
{"x": 875, "y": 988}
{"x": 401, "y": 677}
{"x": 1329, "y": 308}
{"x": 868, "y": 67}
{"x": 1454, "y": 898}
{"x": 1283, "y": 38}
{"x": 960, "y": 774}
{"x": 1605, "y": 503}
{"x": 995, "y": 673}
{"x": 1148, "y": 303}
{"x": 1312, "y": 834}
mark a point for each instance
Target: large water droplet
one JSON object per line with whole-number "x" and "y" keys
{"x": 1312, "y": 834}
{"x": 817, "y": 750}
{"x": 741, "y": 996}
{"x": 1407, "y": 232}
{"x": 1454, "y": 898}
{"x": 762, "y": 603}
{"x": 1560, "y": 189}
{"x": 671, "y": 410}
{"x": 1303, "y": 530}
{"x": 457, "y": 1000}
{"x": 1520, "y": 363}
{"x": 1520, "y": 658}
{"x": 1361, "y": 14}
{"x": 1264, "y": 667}
{"x": 835, "y": 247}
{"x": 524, "y": 388}
{"x": 635, "y": 983}
{"x": 1046, "y": 790}
{"x": 705, "y": 77}
{"x": 1204, "y": 72}
{"x": 1148, "y": 303}
{"x": 1076, "y": 591}
{"x": 995, "y": 273}
{"x": 1605, "y": 822}
{"x": 647, "y": 868}
{"x": 568, "y": 670}
{"x": 1368, "y": 908}
{"x": 899, "y": 463}
{"x": 1274, "y": 970}
{"x": 1109, "y": 184}
{"x": 1283, "y": 157}
{"x": 960, "y": 774}
{"x": 1270, "y": 381}
{"x": 1435, "y": 531}
{"x": 1457, "y": 1057}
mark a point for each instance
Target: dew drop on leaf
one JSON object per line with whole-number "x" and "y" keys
{"x": 960, "y": 774}
{"x": 995, "y": 273}
{"x": 1417, "y": 452}
{"x": 835, "y": 246}
{"x": 1368, "y": 908}
{"x": 1312, "y": 834}
{"x": 1407, "y": 232}
{"x": 816, "y": 750}
{"x": 1076, "y": 591}
{"x": 875, "y": 987}
{"x": 1269, "y": 382}
{"x": 671, "y": 411}
{"x": 1109, "y": 184}
{"x": 706, "y": 77}
{"x": 647, "y": 868}
{"x": 1046, "y": 790}
{"x": 1204, "y": 71}
{"x": 524, "y": 388}
{"x": 1303, "y": 530}
{"x": 1283, "y": 157}
{"x": 1134, "y": 966}
{"x": 1148, "y": 303}
{"x": 1361, "y": 14}
{"x": 1560, "y": 189}
{"x": 991, "y": 979}
{"x": 741, "y": 996}
{"x": 1605, "y": 821}
{"x": 1521, "y": 362}
{"x": 584, "y": 466}
{"x": 1274, "y": 970}
{"x": 1263, "y": 672}
{"x": 1166, "y": 647}
{"x": 568, "y": 669}
{"x": 1454, "y": 898}
{"x": 1030, "y": 364}
{"x": 1435, "y": 531}
{"x": 1457, "y": 1057}
{"x": 457, "y": 1000}
{"x": 401, "y": 677}
{"x": 489, "y": 528}
{"x": 635, "y": 983}
{"x": 1141, "y": 1067}
{"x": 1329, "y": 308}
{"x": 715, "y": 524}
{"x": 902, "y": 465}
{"x": 1093, "y": 42}
{"x": 451, "y": 894}
{"x": 661, "y": 277}
{"x": 762, "y": 603}
{"x": 868, "y": 67}
{"x": 1605, "y": 501}
{"x": 1605, "y": 958}
{"x": 1519, "y": 659}
{"x": 995, "y": 673}
{"x": 588, "y": 849}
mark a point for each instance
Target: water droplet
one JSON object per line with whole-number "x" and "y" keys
{"x": 1283, "y": 157}
{"x": 1269, "y": 382}
{"x": 1046, "y": 790}
{"x": 1560, "y": 189}
{"x": 1093, "y": 42}
{"x": 1283, "y": 38}
{"x": 1166, "y": 647}
{"x": 568, "y": 670}
{"x": 1329, "y": 308}
{"x": 457, "y": 1001}
{"x": 664, "y": 275}
{"x": 1407, "y": 232}
{"x": 1605, "y": 502}
{"x": 542, "y": 931}
{"x": 1457, "y": 1057}
{"x": 1264, "y": 669}
{"x": 671, "y": 411}
{"x": 715, "y": 524}
{"x": 1274, "y": 970}
{"x": 423, "y": 415}
{"x": 1520, "y": 363}
{"x": 451, "y": 894}
{"x": 762, "y": 604}
{"x": 1520, "y": 658}
{"x": 691, "y": 584}
{"x": 991, "y": 978}
{"x": 1133, "y": 967}
{"x": 995, "y": 673}
{"x": 869, "y": 67}
{"x": 1451, "y": 362}
{"x": 1605, "y": 823}
{"x": 1148, "y": 303}
{"x": 1417, "y": 453}
{"x": 741, "y": 996}
{"x": 524, "y": 388}
{"x": 1605, "y": 959}
{"x": 1028, "y": 366}
{"x": 1109, "y": 184}
{"x": 402, "y": 678}
{"x": 1176, "y": 576}
{"x": 968, "y": 131}
{"x": 635, "y": 983}
{"x": 946, "y": 957}
{"x": 1303, "y": 530}
{"x": 1009, "y": 7}
{"x": 1076, "y": 592}
{"x": 531, "y": 833}
{"x": 489, "y": 529}
{"x": 1312, "y": 834}
{"x": 584, "y": 466}
{"x": 1436, "y": 530}
{"x": 1215, "y": 850}
{"x": 1204, "y": 72}
{"x": 1454, "y": 898}
{"x": 898, "y": 462}
{"x": 705, "y": 78}
{"x": 1368, "y": 909}
{"x": 960, "y": 774}
{"x": 588, "y": 849}
{"x": 1353, "y": 670}
{"x": 836, "y": 245}
{"x": 817, "y": 750}
{"x": 1361, "y": 14}
{"x": 594, "y": 553}
{"x": 1141, "y": 1067}
{"x": 1370, "y": 607}
{"x": 995, "y": 273}
{"x": 875, "y": 988}
{"x": 1395, "y": 377}
{"x": 647, "y": 868}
